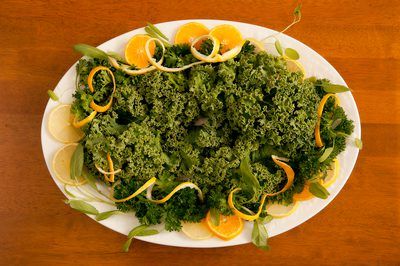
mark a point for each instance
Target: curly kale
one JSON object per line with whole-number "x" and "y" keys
{"x": 215, "y": 125}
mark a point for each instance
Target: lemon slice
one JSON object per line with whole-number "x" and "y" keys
{"x": 332, "y": 174}
{"x": 280, "y": 210}
{"x": 295, "y": 66}
{"x": 60, "y": 125}
{"x": 198, "y": 231}
{"x": 61, "y": 165}
{"x": 258, "y": 44}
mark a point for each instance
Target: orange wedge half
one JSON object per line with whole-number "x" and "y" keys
{"x": 135, "y": 53}
{"x": 228, "y": 35}
{"x": 228, "y": 228}
{"x": 188, "y": 32}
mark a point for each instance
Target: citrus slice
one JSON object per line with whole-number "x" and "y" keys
{"x": 228, "y": 36}
{"x": 305, "y": 194}
{"x": 295, "y": 66}
{"x": 228, "y": 228}
{"x": 332, "y": 174}
{"x": 190, "y": 31}
{"x": 280, "y": 210}
{"x": 257, "y": 43}
{"x": 61, "y": 165}
{"x": 60, "y": 125}
{"x": 198, "y": 231}
{"x": 135, "y": 53}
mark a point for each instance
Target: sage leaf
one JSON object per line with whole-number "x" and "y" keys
{"x": 259, "y": 235}
{"x": 104, "y": 215}
{"x": 266, "y": 219}
{"x": 248, "y": 178}
{"x": 278, "y": 47}
{"x": 137, "y": 230}
{"x": 333, "y": 88}
{"x": 69, "y": 193}
{"x": 82, "y": 206}
{"x": 148, "y": 232}
{"x": 326, "y": 154}
{"x": 214, "y": 215}
{"x": 127, "y": 244}
{"x": 358, "y": 143}
{"x": 90, "y": 51}
{"x": 292, "y": 53}
{"x": 52, "y": 95}
{"x": 318, "y": 190}
{"x": 76, "y": 164}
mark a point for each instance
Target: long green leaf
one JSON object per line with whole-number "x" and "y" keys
{"x": 325, "y": 155}
{"x": 90, "y": 51}
{"x": 259, "y": 235}
{"x": 157, "y": 31}
{"x": 76, "y": 163}
{"x": 318, "y": 190}
{"x": 104, "y": 215}
{"x": 137, "y": 230}
{"x": 52, "y": 95}
{"x": 250, "y": 181}
{"x": 82, "y": 206}
{"x": 148, "y": 232}
{"x": 358, "y": 143}
{"x": 127, "y": 244}
{"x": 334, "y": 88}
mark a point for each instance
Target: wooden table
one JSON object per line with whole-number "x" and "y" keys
{"x": 360, "y": 38}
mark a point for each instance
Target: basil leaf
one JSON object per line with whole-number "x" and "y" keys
{"x": 76, "y": 164}
{"x": 326, "y": 154}
{"x": 248, "y": 178}
{"x": 90, "y": 51}
{"x": 214, "y": 215}
{"x": 52, "y": 95}
{"x": 82, "y": 206}
{"x": 292, "y": 53}
{"x": 259, "y": 235}
{"x": 135, "y": 231}
{"x": 333, "y": 88}
{"x": 278, "y": 47}
{"x": 127, "y": 244}
{"x": 318, "y": 190}
{"x": 104, "y": 215}
{"x": 358, "y": 143}
{"x": 148, "y": 232}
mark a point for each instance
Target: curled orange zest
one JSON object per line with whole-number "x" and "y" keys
{"x": 317, "y": 131}
{"x": 93, "y": 105}
{"x": 111, "y": 167}
{"x": 290, "y": 178}
{"x": 84, "y": 121}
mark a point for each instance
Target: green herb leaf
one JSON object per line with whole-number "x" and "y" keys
{"x": 104, "y": 215}
{"x": 127, "y": 244}
{"x": 326, "y": 154}
{"x": 82, "y": 206}
{"x": 214, "y": 215}
{"x": 318, "y": 190}
{"x": 358, "y": 143}
{"x": 278, "y": 47}
{"x": 90, "y": 51}
{"x": 249, "y": 179}
{"x": 157, "y": 31}
{"x": 266, "y": 219}
{"x": 292, "y": 53}
{"x": 259, "y": 235}
{"x": 148, "y": 232}
{"x": 135, "y": 231}
{"x": 52, "y": 95}
{"x": 334, "y": 88}
{"x": 76, "y": 163}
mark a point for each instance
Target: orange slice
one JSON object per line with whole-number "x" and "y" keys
{"x": 189, "y": 32}
{"x": 135, "y": 53}
{"x": 305, "y": 194}
{"x": 228, "y": 228}
{"x": 228, "y": 36}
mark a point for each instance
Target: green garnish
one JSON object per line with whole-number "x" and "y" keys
{"x": 52, "y": 95}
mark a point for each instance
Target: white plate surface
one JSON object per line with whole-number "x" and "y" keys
{"x": 314, "y": 64}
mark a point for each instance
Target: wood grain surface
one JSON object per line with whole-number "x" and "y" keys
{"x": 360, "y": 38}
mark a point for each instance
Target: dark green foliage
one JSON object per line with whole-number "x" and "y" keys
{"x": 215, "y": 125}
